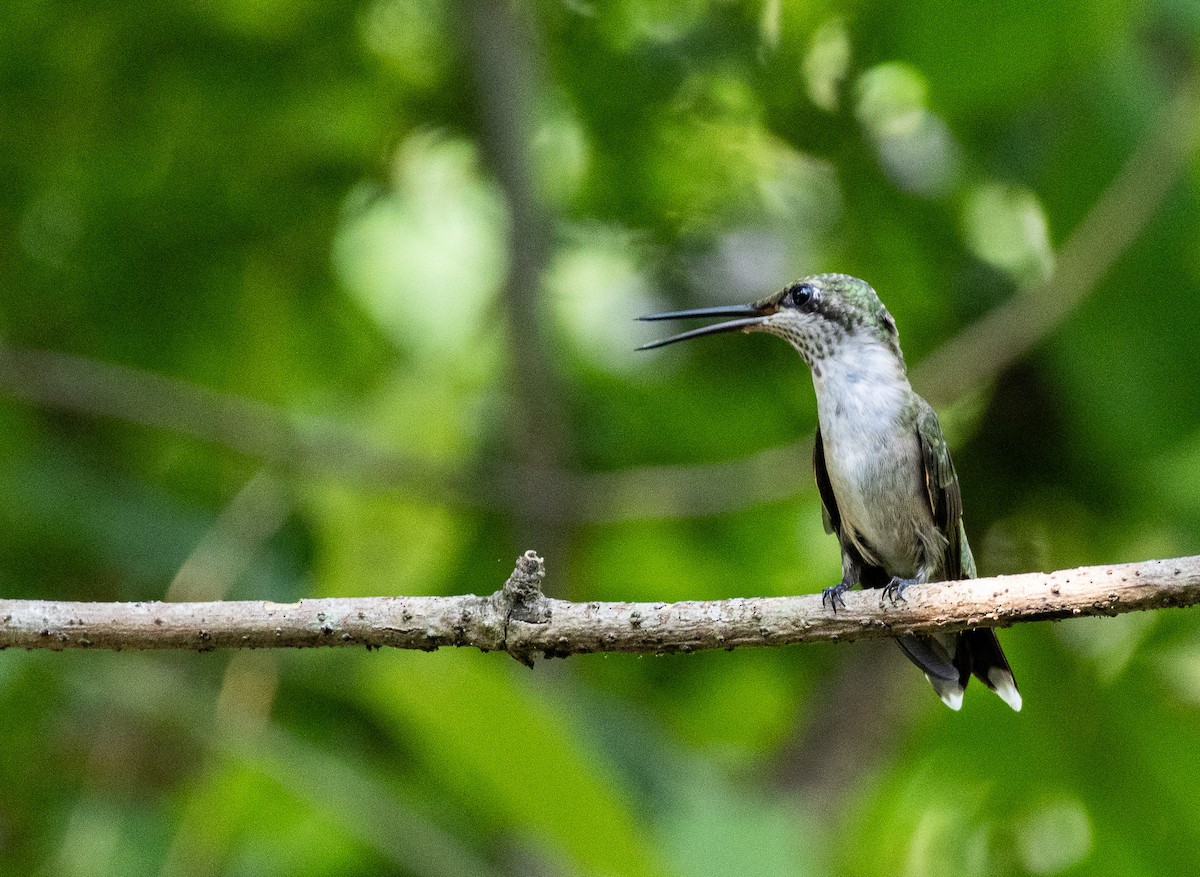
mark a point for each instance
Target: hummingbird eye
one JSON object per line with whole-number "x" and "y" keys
{"x": 799, "y": 295}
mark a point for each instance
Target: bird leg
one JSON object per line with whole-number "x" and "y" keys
{"x": 894, "y": 590}
{"x": 832, "y": 597}
{"x": 851, "y": 575}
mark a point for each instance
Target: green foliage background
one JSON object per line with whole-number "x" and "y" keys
{"x": 349, "y": 311}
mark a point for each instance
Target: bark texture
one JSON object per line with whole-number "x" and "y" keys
{"x": 521, "y": 620}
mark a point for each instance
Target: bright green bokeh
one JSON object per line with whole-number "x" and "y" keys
{"x": 339, "y": 313}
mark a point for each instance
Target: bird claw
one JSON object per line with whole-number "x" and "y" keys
{"x": 894, "y": 590}
{"x": 832, "y": 597}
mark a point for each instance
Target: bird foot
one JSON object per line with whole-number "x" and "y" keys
{"x": 894, "y": 590}
{"x": 832, "y": 597}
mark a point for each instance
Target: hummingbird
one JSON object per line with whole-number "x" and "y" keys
{"x": 887, "y": 484}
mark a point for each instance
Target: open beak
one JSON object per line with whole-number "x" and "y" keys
{"x": 748, "y": 316}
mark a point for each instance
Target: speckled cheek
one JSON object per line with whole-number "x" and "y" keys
{"x": 806, "y": 345}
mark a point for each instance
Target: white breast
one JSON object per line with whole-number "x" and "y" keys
{"x": 872, "y": 458}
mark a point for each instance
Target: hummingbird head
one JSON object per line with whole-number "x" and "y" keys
{"x": 822, "y": 316}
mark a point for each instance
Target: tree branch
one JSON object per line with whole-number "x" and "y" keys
{"x": 521, "y": 620}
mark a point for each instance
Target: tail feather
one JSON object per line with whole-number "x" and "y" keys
{"x": 939, "y": 656}
{"x": 933, "y": 654}
{"x": 950, "y": 691}
{"x": 989, "y": 664}
{"x": 949, "y": 661}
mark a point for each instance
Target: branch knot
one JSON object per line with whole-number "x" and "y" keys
{"x": 522, "y": 593}
{"x": 521, "y": 599}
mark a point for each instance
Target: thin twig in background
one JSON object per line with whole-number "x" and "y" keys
{"x": 234, "y": 540}
{"x": 1003, "y": 335}
{"x": 504, "y": 50}
{"x": 292, "y": 442}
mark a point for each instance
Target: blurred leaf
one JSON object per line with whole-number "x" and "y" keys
{"x": 510, "y": 758}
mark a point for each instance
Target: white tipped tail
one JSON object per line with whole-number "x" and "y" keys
{"x": 950, "y": 660}
{"x": 1004, "y": 685}
{"x": 951, "y": 693}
